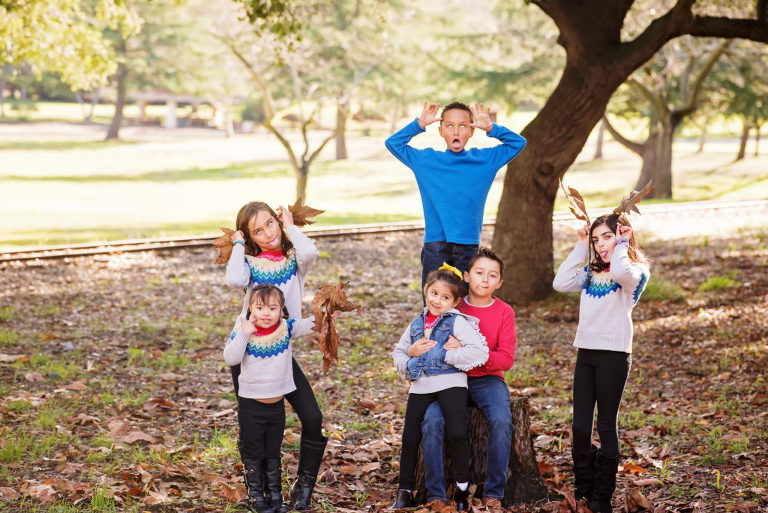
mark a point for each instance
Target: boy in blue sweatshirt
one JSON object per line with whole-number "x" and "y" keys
{"x": 454, "y": 183}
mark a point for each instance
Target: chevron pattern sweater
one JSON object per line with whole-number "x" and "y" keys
{"x": 266, "y": 368}
{"x": 605, "y": 309}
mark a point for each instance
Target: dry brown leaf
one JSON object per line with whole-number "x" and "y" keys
{"x": 578, "y": 208}
{"x": 302, "y": 213}
{"x": 634, "y": 500}
{"x": 329, "y": 299}
{"x": 232, "y": 493}
{"x": 224, "y": 245}
{"x": 7, "y": 494}
{"x": 629, "y": 202}
{"x": 135, "y": 436}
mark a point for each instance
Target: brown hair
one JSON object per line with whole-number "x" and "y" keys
{"x": 262, "y": 294}
{"x": 596, "y": 264}
{"x": 449, "y": 278}
{"x": 244, "y": 218}
{"x": 489, "y": 254}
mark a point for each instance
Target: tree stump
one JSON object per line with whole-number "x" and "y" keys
{"x": 524, "y": 483}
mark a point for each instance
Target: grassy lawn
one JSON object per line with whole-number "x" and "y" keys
{"x": 60, "y": 184}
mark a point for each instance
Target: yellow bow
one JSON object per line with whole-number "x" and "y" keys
{"x": 451, "y": 268}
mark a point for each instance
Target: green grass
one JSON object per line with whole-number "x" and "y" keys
{"x": 659, "y": 289}
{"x": 714, "y": 283}
{"x": 191, "y": 184}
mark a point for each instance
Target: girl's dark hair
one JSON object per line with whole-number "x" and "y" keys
{"x": 262, "y": 294}
{"x": 596, "y": 263}
{"x": 489, "y": 254}
{"x": 448, "y": 277}
{"x": 244, "y": 218}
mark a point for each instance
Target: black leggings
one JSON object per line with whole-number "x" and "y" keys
{"x": 261, "y": 428}
{"x": 599, "y": 377}
{"x": 303, "y": 402}
{"x": 453, "y": 403}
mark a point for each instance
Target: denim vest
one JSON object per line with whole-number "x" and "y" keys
{"x": 433, "y": 361}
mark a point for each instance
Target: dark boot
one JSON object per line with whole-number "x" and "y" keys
{"x": 274, "y": 489}
{"x": 254, "y": 486}
{"x": 310, "y": 457}
{"x": 404, "y": 499}
{"x": 605, "y": 483}
{"x": 460, "y": 498}
{"x": 584, "y": 473}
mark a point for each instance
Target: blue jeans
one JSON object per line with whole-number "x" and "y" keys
{"x": 491, "y": 395}
{"x": 433, "y": 254}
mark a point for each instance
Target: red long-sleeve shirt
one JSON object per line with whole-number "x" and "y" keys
{"x": 497, "y": 325}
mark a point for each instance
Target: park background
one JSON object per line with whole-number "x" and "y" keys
{"x": 266, "y": 103}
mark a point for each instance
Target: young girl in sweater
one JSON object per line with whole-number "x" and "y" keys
{"x": 268, "y": 248}
{"x": 610, "y": 285}
{"x": 260, "y": 344}
{"x": 436, "y": 374}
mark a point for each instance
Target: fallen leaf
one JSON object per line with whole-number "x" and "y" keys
{"x": 42, "y": 492}
{"x": 135, "y": 436}
{"x": 77, "y": 385}
{"x": 233, "y": 493}
{"x": 634, "y": 498}
{"x": 8, "y": 494}
{"x": 11, "y": 357}
{"x": 34, "y": 377}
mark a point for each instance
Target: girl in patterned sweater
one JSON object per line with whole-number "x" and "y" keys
{"x": 268, "y": 248}
{"x": 610, "y": 285}
{"x": 260, "y": 344}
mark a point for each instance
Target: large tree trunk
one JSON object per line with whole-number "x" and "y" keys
{"x": 117, "y": 119}
{"x": 524, "y": 483}
{"x": 523, "y": 233}
{"x": 342, "y": 110}
{"x": 743, "y": 141}
{"x": 657, "y": 159}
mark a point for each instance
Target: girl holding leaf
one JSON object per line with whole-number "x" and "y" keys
{"x": 268, "y": 247}
{"x": 610, "y": 283}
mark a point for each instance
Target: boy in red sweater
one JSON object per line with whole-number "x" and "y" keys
{"x": 487, "y": 388}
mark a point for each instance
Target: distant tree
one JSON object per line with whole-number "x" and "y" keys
{"x": 63, "y": 37}
{"x": 670, "y": 87}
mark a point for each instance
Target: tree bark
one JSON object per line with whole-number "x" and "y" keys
{"x": 302, "y": 172}
{"x": 757, "y": 140}
{"x": 117, "y": 120}
{"x": 524, "y": 483}
{"x": 342, "y": 111}
{"x": 703, "y": 135}
{"x": 523, "y": 232}
{"x": 599, "y": 143}
{"x": 743, "y": 141}
{"x": 657, "y": 158}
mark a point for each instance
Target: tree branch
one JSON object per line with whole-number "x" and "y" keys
{"x": 322, "y": 145}
{"x": 630, "y": 145}
{"x": 656, "y": 101}
{"x": 698, "y": 84}
{"x": 728, "y": 28}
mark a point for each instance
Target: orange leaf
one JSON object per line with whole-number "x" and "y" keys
{"x": 577, "y": 207}
{"x": 233, "y": 493}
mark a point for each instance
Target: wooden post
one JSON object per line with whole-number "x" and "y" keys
{"x": 524, "y": 483}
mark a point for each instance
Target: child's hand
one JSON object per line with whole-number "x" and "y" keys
{"x": 583, "y": 234}
{"x": 284, "y": 216}
{"x": 420, "y": 347}
{"x": 429, "y": 114}
{"x": 453, "y": 343}
{"x": 623, "y": 231}
{"x": 247, "y": 326}
{"x": 482, "y": 117}
{"x": 238, "y": 235}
